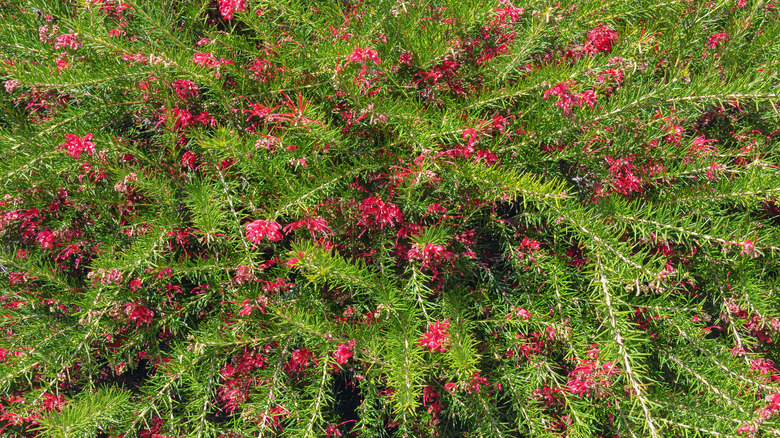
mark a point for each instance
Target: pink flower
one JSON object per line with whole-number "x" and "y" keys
{"x": 746, "y": 428}
{"x": 10, "y": 85}
{"x": 185, "y": 88}
{"x": 51, "y": 402}
{"x": 587, "y": 97}
{"x": 475, "y": 382}
{"x": 165, "y": 272}
{"x": 68, "y": 40}
{"x": 76, "y": 146}
{"x": 344, "y": 352}
{"x": 520, "y": 313}
{"x": 363, "y": 54}
{"x": 243, "y": 274}
{"x": 46, "y": 239}
{"x": 487, "y": 157}
{"x": 274, "y": 417}
{"x": 567, "y": 98}
{"x": 701, "y": 145}
{"x": 674, "y": 134}
{"x": 247, "y": 307}
{"x": 749, "y": 249}
{"x": 62, "y": 65}
{"x": 530, "y": 245}
{"x": 259, "y": 229}
{"x": 204, "y": 59}
{"x": 405, "y": 58}
{"x": 112, "y": 275}
{"x": 262, "y": 70}
{"x": 437, "y": 337}
{"x": 228, "y": 7}
{"x": 623, "y": 179}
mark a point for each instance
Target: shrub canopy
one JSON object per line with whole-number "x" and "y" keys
{"x": 389, "y": 218}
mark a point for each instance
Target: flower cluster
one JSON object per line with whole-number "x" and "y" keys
{"x": 344, "y": 352}
{"x": 567, "y": 98}
{"x": 715, "y": 40}
{"x": 589, "y": 378}
{"x": 260, "y": 229}
{"x": 76, "y": 146}
{"x": 437, "y": 338}
{"x": 229, "y": 7}
{"x": 375, "y": 212}
{"x": 363, "y": 54}
{"x": 430, "y": 255}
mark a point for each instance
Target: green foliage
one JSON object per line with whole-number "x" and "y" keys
{"x": 86, "y": 414}
{"x": 389, "y": 218}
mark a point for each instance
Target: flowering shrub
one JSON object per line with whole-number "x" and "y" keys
{"x": 234, "y": 218}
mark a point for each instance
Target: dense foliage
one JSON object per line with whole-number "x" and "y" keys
{"x": 389, "y": 218}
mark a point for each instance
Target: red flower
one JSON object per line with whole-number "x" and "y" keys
{"x": 263, "y": 70}
{"x": 312, "y": 224}
{"x": 51, "y": 402}
{"x": 344, "y": 352}
{"x": 138, "y": 314}
{"x": 375, "y": 212}
{"x": 247, "y": 307}
{"x": 589, "y": 376}
{"x": 185, "y": 88}
{"x": 76, "y": 146}
{"x": 259, "y": 229}
{"x": 437, "y": 337}
{"x": 600, "y": 40}
{"x": 674, "y": 135}
{"x": 567, "y": 98}
{"x": 623, "y": 179}
{"x": 510, "y": 12}
{"x": 430, "y": 256}
{"x": 189, "y": 159}
{"x": 475, "y": 382}
{"x": 46, "y": 239}
{"x": 274, "y": 417}
{"x": 714, "y": 41}
{"x": 299, "y": 360}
